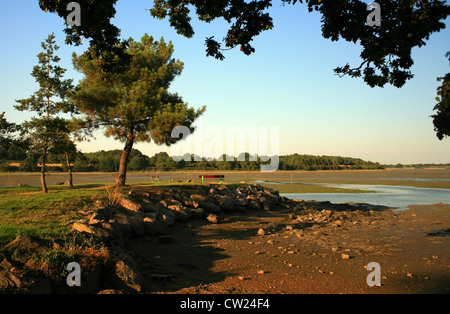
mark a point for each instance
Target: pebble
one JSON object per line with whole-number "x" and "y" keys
{"x": 261, "y": 232}
{"x": 345, "y": 256}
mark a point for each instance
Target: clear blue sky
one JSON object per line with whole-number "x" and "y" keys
{"x": 287, "y": 83}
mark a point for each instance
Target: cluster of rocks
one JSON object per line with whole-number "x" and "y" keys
{"x": 135, "y": 214}
{"x": 119, "y": 273}
{"x": 337, "y": 215}
{"x": 142, "y": 213}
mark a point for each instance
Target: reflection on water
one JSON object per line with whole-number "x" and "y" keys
{"x": 399, "y": 197}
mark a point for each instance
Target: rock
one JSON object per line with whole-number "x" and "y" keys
{"x": 129, "y": 204}
{"x": 261, "y": 232}
{"x": 253, "y": 203}
{"x": 268, "y": 201}
{"x": 196, "y": 213}
{"x": 345, "y": 256}
{"x": 240, "y": 201}
{"x": 190, "y": 203}
{"x": 180, "y": 214}
{"x": 206, "y": 203}
{"x": 226, "y": 203}
{"x": 148, "y": 205}
{"x": 113, "y": 228}
{"x": 213, "y": 218}
{"x": 211, "y": 207}
{"x": 224, "y": 190}
{"x": 122, "y": 222}
{"x": 126, "y": 277}
{"x": 153, "y": 226}
{"x": 82, "y": 227}
{"x": 136, "y": 224}
{"x": 166, "y": 216}
{"x": 9, "y": 282}
{"x": 100, "y": 233}
{"x": 96, "y": 219}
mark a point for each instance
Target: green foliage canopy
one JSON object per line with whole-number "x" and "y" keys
{"x": 135, "y": 105}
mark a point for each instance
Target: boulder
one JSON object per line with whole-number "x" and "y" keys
{"x": 226, "y": 203}
{"x": 136, "y": 224}
{"x": 196, "y": 213}
{"x": 100, "y": 233}
{"x": 224, "y": 190}
{"x": 253, "y": 203}
{"x": 96, "y": 219}
{"x": 268, "y": 201}
{"x": 240, "y": 201}
{"x": 129, "y": 204}
{"x": 113, "y": 228}
{"x": 180, "y": 213}
{"x": 214, "y": 219}
{"x": 190, "y": 203}
{"x": 166, "y": 216}
{"x": 124, "y": 225}
{"x": 9, "y": 282}
{"x": 148, "y": 205}
{"x": 153, "y": 226}
{"x": 211, "y": 207}
{"x": 125, "y": 277}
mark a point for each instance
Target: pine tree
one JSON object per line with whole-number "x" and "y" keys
{"x": 47, "y": 129}
{"x": 134, "y": 105}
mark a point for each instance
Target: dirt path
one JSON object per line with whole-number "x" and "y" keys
{"x": 303, "y": 252}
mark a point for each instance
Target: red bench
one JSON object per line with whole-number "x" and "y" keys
{"x": 212, "y": 176}
{"x": 155, "y": 177}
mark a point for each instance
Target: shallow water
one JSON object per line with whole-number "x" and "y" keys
{"x": 399, "y": 197}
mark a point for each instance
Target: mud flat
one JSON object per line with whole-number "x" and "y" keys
{"x": 320, "y": 248}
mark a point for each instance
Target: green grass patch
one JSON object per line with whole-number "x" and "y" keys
{"x": 25, "y": 211}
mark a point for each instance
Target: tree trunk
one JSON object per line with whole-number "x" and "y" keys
{"x": 70, "y": 170}
{"x": 121, "y": 177}
{"x": 44, "y": 160}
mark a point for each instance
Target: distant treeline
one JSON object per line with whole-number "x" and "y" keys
{"x": 419, "y": 166}
{"x": 108, "y": 161}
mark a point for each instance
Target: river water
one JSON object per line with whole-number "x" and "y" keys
{"x": 399, "y": 197}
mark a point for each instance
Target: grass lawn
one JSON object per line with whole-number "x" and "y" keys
{"x": 27, "y": 211}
